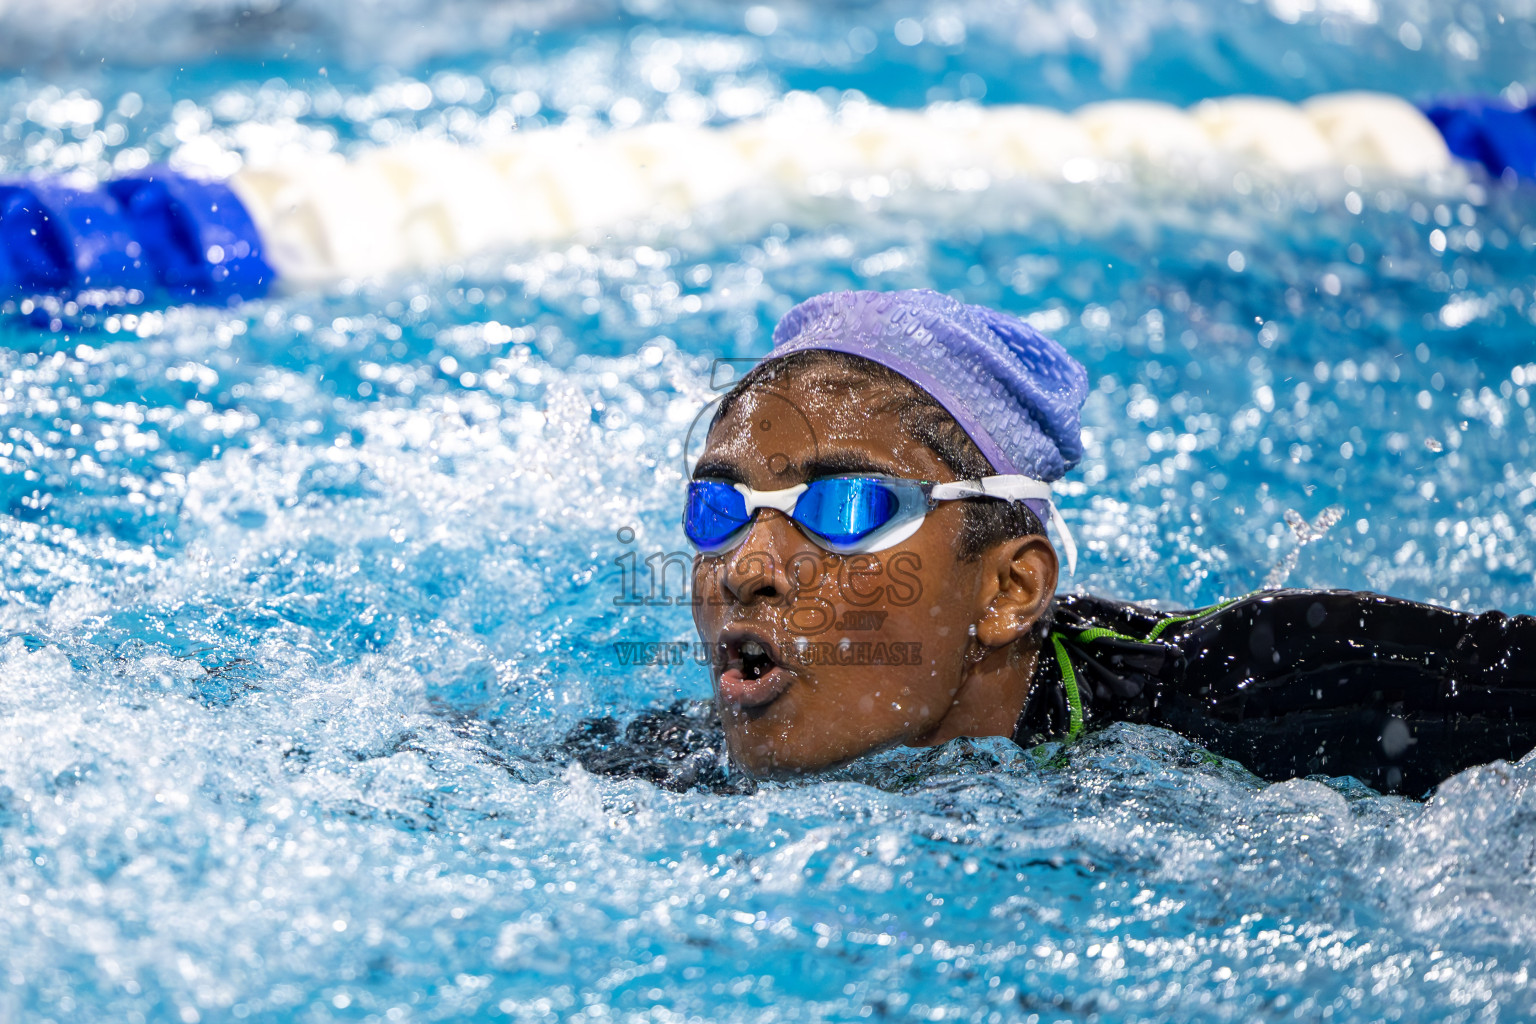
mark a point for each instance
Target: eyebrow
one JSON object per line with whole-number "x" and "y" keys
{"x": 838, "y": 463}
{"x": 822, "y": 464}
{"x": 718, "y": 469}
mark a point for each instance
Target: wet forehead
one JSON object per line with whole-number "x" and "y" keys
{"x": 784, "y": 435}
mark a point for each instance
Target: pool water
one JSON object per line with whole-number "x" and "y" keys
{"x": 299, "y": 599}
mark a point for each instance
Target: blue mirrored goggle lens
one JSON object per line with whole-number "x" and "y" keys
{"x": 846, "y": 509}
{"x": 714, "y": 511}
{"x": 839, "y": 510}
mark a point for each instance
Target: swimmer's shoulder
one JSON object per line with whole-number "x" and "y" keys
{"x": 1077, "y": 612}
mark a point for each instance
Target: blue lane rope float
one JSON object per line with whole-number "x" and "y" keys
{"x": 156, "y": 231}
{"x": 1495, "y": 134}
{"x": 160, "y": 235}
{"x": 58, "y": 238}
{"x": 196, "y": 234}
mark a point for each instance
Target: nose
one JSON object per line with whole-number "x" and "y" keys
{"x": 756, "y": 569}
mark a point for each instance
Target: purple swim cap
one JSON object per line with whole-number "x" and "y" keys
{"x": 1013, "y": 390}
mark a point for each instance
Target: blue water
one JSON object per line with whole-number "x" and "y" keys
{"x": 296, "y": 599}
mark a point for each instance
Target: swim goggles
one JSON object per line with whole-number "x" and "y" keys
{"x": 849, "y": 514}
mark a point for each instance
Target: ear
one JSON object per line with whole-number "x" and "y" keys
{"x": 1018, "y": 583}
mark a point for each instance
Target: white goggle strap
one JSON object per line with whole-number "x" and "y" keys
{"x": 1012, "y": 487}
{"x": 1009, "y": 487}
{"x": 1067, "y": 541}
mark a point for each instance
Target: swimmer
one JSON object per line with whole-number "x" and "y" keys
{"x": 874, "y": 568}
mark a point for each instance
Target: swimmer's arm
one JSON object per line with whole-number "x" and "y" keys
{"x": 1266, "y": 641}
{"x": 1397, "y": 693}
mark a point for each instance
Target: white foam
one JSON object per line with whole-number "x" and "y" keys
{"x": 431, "y": 202}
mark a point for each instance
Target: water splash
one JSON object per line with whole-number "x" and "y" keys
{"x": 300, "y": 601}
{"x": 1305, "y": 533}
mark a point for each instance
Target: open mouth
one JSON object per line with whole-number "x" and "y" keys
{"x": 752, "y": 675}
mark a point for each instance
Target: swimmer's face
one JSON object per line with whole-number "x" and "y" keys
{"x": 821, "y": 657}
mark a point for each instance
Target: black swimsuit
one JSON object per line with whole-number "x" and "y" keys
{"x": 1297, "y": 682}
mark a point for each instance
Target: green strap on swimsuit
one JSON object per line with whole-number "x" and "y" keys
{"x": 1069, "y": 680}
{"x": 1088, "y": 636}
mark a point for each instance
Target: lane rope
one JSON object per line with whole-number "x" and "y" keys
{"x": 164, "y": 234}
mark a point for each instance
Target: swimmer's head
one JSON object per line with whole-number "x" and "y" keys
{"x": 832, "y": 644}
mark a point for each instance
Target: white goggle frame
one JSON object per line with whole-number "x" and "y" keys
{"x": 1007, "y": 486}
